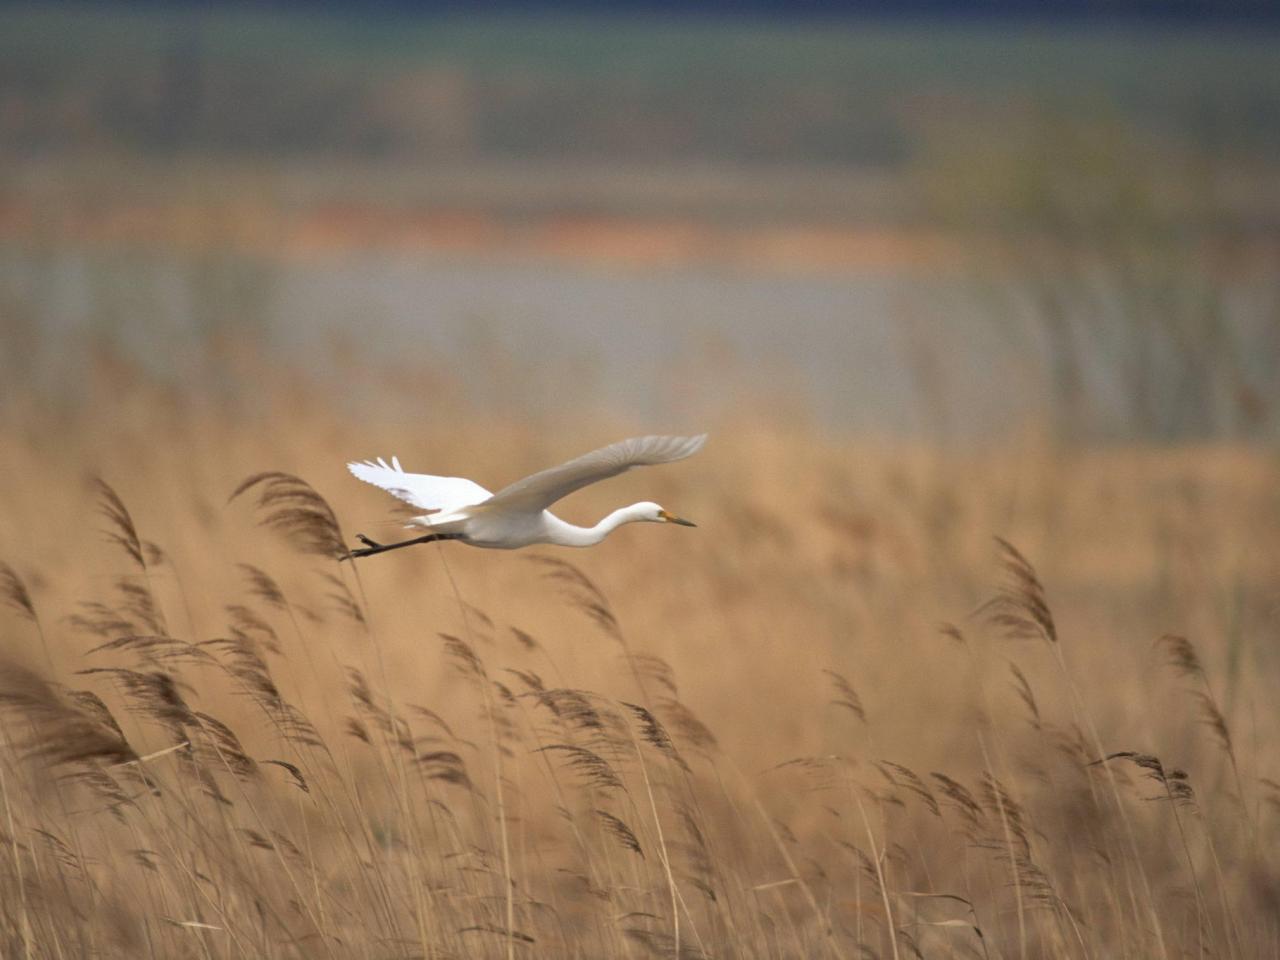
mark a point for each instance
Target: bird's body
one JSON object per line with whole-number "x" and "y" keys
{"x": 517, "y": 515}
{"x": 509, "y": 530}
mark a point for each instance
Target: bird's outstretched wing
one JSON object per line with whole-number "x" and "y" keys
{"x": 431, "y": 494}
{"x": 542, "y": 489}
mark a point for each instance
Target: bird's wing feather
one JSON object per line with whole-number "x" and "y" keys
{"x": 542, "y": 489}
{"x": 432, "y": 494}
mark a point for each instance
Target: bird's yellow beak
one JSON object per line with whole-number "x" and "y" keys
{"x": 671, "y": 518}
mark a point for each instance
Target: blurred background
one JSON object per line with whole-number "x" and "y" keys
{"x": 927, "y": 272}
{"x": 945, "y": 221}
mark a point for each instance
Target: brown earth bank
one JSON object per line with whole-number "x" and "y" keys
{"x": 640, "y": 241}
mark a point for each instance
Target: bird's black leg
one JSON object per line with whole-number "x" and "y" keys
{"x": 371, "y": 547}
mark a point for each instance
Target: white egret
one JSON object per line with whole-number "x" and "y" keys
{"x": 517, "y": 515}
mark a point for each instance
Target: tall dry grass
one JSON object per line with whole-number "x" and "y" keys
{"x": 839, "y": 719}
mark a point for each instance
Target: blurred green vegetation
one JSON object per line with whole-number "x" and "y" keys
{"x": 1141, "y": 274}
{"x": 239, "y": 80}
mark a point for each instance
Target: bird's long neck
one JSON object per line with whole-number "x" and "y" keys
{"x": 570, "y": 535}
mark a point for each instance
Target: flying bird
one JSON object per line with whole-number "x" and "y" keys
{"x": 517, "y": 515}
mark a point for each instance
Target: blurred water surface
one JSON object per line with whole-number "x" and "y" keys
{"x": 524, "y": 335}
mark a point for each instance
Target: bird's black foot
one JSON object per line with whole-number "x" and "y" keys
{"x": 370, "y": 547}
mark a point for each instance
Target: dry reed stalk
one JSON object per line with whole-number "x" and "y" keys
{"x": 292, "y": 508}
{"x": 1182, "y": 657}
{"x": 824, "y": 922}
{"x": 664, "y": 855}
{"x": 120, "y": 527}
{"x": 13, "y": 590}
{"x": 24, "y": 917}
{"x": 1021, "y": 608}
{"x": 15, "y": 594}
{"x": 1010, "y": 829}
{"x": 877, "y": 861}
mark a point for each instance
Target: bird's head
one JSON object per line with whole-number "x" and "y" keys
{"x": 653, "y": 512}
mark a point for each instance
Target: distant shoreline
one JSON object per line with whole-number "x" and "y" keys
{"x": 665, "y": 242}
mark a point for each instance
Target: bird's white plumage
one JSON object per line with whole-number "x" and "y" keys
{"x": 432, "y": 494}
{"x": 517, "y": 515}
{"x": 544, "y": 488}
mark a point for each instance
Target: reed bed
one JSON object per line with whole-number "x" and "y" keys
{"x": 885, "y": 702}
